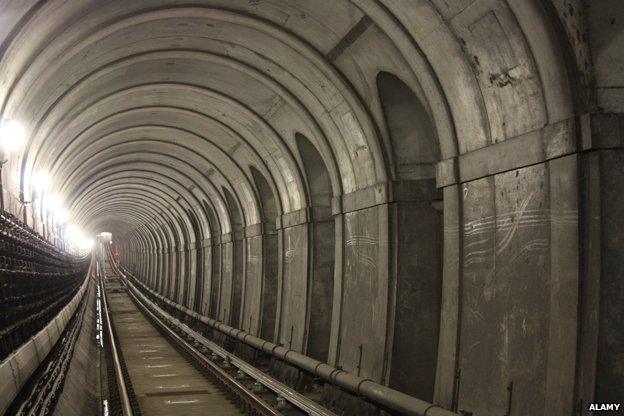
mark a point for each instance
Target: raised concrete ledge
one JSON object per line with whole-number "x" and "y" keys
{"x": 17, "y": 368}
{"x": 303, "y": 216}
{"x": 386, "y": 192}
{"x": 254, "y": 230}
{"x": 238, "y": 235}
{"x": 174, "y": 249}
{"x": 224, "y": 238}
{"x": 602, "y": 131}
{"x": 268, "y": 227}
{"x": 249, "y": 231}
{"x": 365, "y": 198}
{"x": 293, "y": 218}
{"x": 538, "y": 146}
{"x": 414, "y": 191}
{"x": 218, "y": 239}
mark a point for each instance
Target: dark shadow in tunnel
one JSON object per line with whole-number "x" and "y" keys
{"x": 183, "y": 265}
{"x": 270, "y": 248}
{"x": 416, "y": 238}
{"x": 196, "y": 262}
{"x": 323, "y": 248}
{"x": 215, "y": 277}
{"x": 237, "y": 260}
{"x": 174, "y": 265}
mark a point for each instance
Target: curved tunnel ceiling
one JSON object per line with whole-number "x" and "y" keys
{"x": 146, "y": 111}
{"x": 374, "y": 183}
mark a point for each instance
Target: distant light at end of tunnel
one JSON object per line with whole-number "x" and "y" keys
{"x": 12, "y": 136}
{"x": 106, "y": 236}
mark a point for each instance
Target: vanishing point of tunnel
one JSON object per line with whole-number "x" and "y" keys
{"x": 312, "y": 207}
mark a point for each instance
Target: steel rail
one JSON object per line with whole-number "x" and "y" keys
{"x": 293, "y": 397}
{"x": 298, "y": 400}
{"x": 243, "y": 393}
{"x": 372, "y": 391}
{"x": 126, "y": 407}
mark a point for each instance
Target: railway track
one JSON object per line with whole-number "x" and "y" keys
{"x": 163, "y": 367}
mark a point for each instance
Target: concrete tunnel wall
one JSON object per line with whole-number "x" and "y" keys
{"x": 407, "y": 189}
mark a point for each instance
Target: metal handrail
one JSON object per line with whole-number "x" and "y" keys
{"x": 126, "y": 407}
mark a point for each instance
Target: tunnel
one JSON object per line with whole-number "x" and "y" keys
{"x": 312, "y": 207}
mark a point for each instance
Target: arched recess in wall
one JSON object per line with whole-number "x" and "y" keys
{"x": 197, "y": 264}
{"x": 323, "y": 236}
{"x": 174, "y": 264}
{"x": 163, "y": 265}
{"x": 151, "y": 270}
{"x": 416, "y": 238}
{"x": 235, "y": 290}
{"x": 212, "y": 308}
{"x": 155, "y": 258}
{"x": 270, "y": 258}
{"x": 184, "y": 262}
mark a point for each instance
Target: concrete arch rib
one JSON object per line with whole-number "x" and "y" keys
{"x": 276, "y": 89}
{"x": 92, "y": 194}
{"x": 147, "y": 174}
{"x": 195, "y": 94}
{"x": 134, "y": 141}
{"x": 153, "y": 199}
{"x": 212, "y": 131}
{"x": 127, "y": 159}
{"x": 342, "y": 88}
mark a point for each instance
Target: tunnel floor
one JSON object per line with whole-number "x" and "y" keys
{"x": 163, "y": 380}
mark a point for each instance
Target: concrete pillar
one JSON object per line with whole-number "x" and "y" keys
{"x": 510, "y": 287}
{"x": 164, "y": 270}
{"x": 192, "y": 275}
{"x": 270, "y": 259}
{"x": 227, "y": 267}
{"x": 171, "y": 281}
{"x": 181, "y": 274}
{"x": 293, "y": 283}
{"x": 216, "y": 277}
{"x": 206, "y": 259}
{"x": 600, "y": 376}
{"x": 238, "y": 276}
{"x": 252, "y": 287}
{"x": 415, "y": 216}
